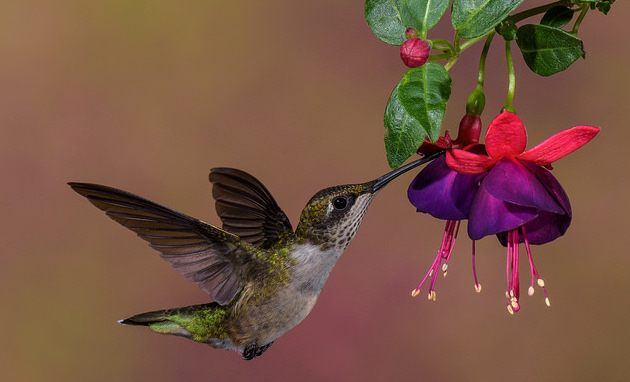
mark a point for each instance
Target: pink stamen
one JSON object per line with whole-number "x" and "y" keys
{"x": 451, "y": 242}
{"x": 512, "y": 293}
{"x": 534, "y": 272}
{"x": 477, "y": 285}
{"x": 445, "y": 252}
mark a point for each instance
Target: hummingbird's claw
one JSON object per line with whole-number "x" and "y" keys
{"x": 254, "y": 350}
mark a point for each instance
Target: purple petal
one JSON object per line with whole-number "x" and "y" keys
{"x": 552, "y": 185}
{"x": 442, "y": 192}
{"x": 546, "y": 227}
{"x": 464, "y": 189}
{"x": 511, "y": 181}
{"x": 549, "y": 226}
{"x": 489, "y": 215}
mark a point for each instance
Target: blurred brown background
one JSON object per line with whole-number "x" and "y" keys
{"x": 149, "y": 95}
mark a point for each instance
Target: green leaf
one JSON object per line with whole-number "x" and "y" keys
{"x": 557, "y": 17}
{"x": 604, "y": 7}
{"x": 547, "y": 50}
{"x": 385, "y": 20}
{"x": 423, "y": 14}
{"x": 388, "y": 19}
{"x": 474, "y": 18}
{"x": 403, "y": 133}
{"x": 423, "y": 93}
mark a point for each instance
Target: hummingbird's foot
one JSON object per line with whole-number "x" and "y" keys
{"x": 254, "y": 350}
{"x": 262, "y": 349}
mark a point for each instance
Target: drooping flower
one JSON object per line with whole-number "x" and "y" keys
{"x": 446, "y": 194}
{"x": 518, "y": 200}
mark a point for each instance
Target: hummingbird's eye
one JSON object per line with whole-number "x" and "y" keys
{"x": 340, "y": 203}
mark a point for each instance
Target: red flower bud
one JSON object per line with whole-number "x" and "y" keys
{"x": 415, "y": 52}
{"x": 469, "y": 130}
{"x": 411, "y": 32}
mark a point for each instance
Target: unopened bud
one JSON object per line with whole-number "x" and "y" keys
{"x": 411, "y": 32}
{"x": 476, "y": 102}
{"x": 415, "y": 52}
{"x": 469, "y": 130}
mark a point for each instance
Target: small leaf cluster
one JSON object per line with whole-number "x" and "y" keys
{"x": 417, "y": 105}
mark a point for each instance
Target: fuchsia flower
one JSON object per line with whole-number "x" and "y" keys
{"x": 446, "y": 194}
{"x": 501, "y": 188}
{"x": 518, "y": 200}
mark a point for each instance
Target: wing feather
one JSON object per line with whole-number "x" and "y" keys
{"x": 218, "y": 261}
{"x": 247, "y": 208}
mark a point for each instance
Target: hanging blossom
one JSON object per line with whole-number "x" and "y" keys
{"x": 446, "y": 194}
{"x": 518, "y": 199}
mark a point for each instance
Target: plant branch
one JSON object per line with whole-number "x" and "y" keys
{"x": 511, "y": 77}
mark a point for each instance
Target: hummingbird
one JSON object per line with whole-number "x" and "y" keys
{"x": 263, "y": 277}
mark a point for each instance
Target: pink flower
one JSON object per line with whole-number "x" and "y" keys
{"x": 518, "y": 200}
{"x": 446, "y": 194}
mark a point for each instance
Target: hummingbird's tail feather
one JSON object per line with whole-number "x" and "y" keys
{"x": 202, "y": 323}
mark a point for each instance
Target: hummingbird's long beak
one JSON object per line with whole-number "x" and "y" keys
{"x": 385, "y": 179}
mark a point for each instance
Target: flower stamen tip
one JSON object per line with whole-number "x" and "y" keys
{"x": 478, "y": 288}
{"x": 541, "y": 283}
{"x": 530, "y": 291}
{"x": 547, "y": 301}
{"x": 415, "y": 292}
{"x": 509, "y": 308}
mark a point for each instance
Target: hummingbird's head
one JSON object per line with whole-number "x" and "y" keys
{"x": 333, "y": 215}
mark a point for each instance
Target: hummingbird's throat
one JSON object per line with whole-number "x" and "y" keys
{"x": 341, "y": 230}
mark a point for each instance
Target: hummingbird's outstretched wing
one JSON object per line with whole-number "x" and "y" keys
{"x": 247, "y": 208}
{"x": 216, "y": 260}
